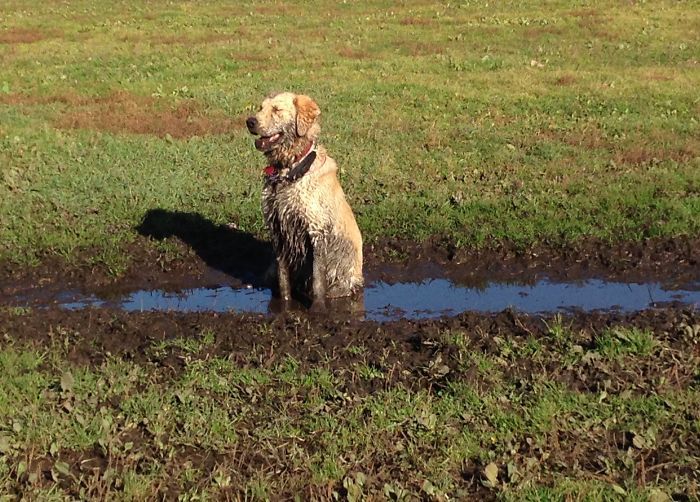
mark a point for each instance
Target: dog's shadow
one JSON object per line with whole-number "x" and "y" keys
{"x": 234, "y": 252}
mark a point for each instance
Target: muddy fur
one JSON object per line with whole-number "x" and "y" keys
{"x": 314, "y": 233}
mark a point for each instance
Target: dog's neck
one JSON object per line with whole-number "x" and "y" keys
{"x": 286, "y": 158}
{"x": 300, "y": 165}
{"x": 305, "y": 152}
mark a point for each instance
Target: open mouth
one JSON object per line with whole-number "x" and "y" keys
{"x": 264, "y": 143}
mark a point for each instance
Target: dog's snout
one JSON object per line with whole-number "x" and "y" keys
{"x": 252, "y": 123}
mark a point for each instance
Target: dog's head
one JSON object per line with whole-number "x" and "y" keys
{"x": 285, "y": 122}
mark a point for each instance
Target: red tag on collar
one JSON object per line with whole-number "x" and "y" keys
{"x": 270, "y": 171}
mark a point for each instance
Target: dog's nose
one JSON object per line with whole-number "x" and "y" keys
{"x": 251, "y": 122}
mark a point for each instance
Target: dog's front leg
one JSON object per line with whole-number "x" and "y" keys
{"x": 283, "y": 279}
{"x": 319, "y": 280}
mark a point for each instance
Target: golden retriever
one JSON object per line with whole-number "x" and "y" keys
{"x": 314, "y": 233}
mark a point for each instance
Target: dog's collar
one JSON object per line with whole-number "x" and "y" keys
{"x": 302, "y": 164}
{"x": 309, "y": 147}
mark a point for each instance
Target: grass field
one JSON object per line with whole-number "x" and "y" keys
{"x": 520, "y": 410}
{"x": 482, "y": 122}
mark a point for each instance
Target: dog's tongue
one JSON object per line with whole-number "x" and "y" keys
{"x": 263, "y": 142}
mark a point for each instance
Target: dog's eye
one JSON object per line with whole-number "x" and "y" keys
{"x": 275, "y": 109}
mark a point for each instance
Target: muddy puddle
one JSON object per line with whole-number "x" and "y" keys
{"x": 423, "y": 291}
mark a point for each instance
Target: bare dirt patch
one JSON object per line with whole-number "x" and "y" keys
{"x": 590, "y": 136}
{"x": 25, "y": 36}
{"x": 655, "y": 146}
{"x": 66, "y": 98}
{"x": 180, "y": 39}
{"x": 211, "y": 38}
{"x": 584, "y": 13}
{"x": 275, "y": 10}
{"x": 122, "y": 112}
{"x": 659, "y": 77}
{"x": 257, "y": 61}
{"x": 565, "y": 80}
{"x": 537, "y": 32}
{"x": 350, "y": 53}
{"x": 416, "y": 21}
{"x": 640, "y": 155}
{"x": 417, "y": 48}
{"x": 593, "y": 22}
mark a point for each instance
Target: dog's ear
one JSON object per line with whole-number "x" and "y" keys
{"x": 307, "y": 113}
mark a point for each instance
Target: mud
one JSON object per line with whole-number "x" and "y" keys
{"x": 222, "y": 269}
{"x": 209, "y": 254}
{"x": 403, "y": 349}
{"x": 415, "y": 354}
{"x": 380, "y": 301}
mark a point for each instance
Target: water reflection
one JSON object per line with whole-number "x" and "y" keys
{"x": 416, "y": 300}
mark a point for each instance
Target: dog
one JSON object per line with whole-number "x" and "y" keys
{"x": 317, "y": 242}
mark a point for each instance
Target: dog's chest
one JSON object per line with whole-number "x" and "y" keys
{"x": 292, "y": 215}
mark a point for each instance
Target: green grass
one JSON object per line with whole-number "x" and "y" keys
{"x": 217, "y": 428}
{"x": 479, "y": 121}
{"x": 616, "y": 342}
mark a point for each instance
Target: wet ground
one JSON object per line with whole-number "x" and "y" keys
{"x": 415, "y": 296}
{"x": 216, "y": 278}
{"x": 411, "y": 288}
{"x": 220, "y": 269}
{"x": 433, "y": 295}
{"x": 415, "y": 355}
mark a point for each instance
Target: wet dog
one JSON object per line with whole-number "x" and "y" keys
{"x": 317, "y": 243}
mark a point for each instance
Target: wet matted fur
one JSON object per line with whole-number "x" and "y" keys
{"x": 314, "y": 233}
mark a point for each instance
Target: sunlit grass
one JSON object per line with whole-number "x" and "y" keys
{"x": 482, "y": 122}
